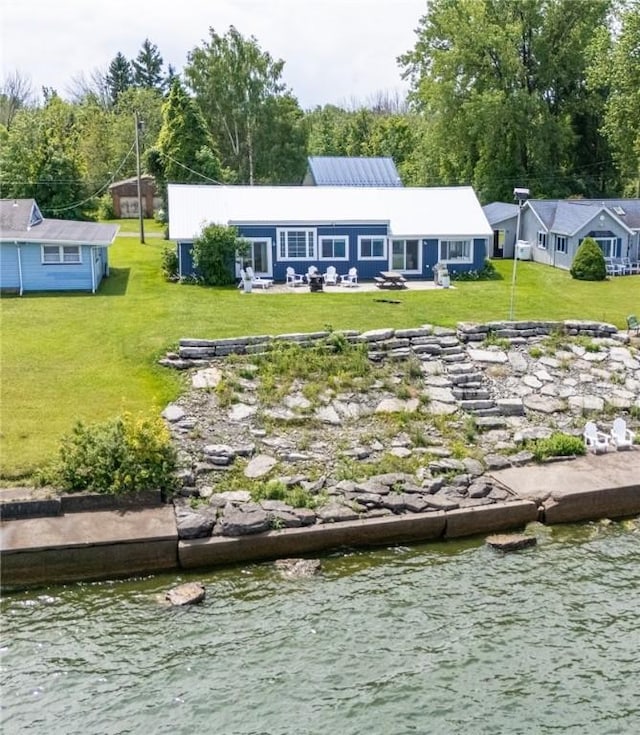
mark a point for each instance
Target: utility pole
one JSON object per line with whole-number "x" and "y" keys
{"x": 140, "y": 213}
{"x": 520, "y": 196}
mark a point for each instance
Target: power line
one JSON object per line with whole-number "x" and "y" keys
{"x": 197, "y": 173}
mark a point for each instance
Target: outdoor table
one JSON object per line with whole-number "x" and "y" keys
{"x": 390, "y": 279}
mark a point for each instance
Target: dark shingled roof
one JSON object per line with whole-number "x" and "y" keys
{"x": 20, "y": 219}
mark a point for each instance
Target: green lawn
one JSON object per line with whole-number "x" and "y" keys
{"x": 68, "y": 357}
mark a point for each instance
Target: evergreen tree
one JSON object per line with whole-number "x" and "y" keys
{"x": 147, "y": 67}
{"x": 119, "y": 76}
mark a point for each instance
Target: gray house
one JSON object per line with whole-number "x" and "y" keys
{"x": 554, "y": 228}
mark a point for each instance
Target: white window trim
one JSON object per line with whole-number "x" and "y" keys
{"x": 454, "y": 261}
{"x": 542, "y": 235}
{"x": 612, "y": 243}
{"x": 322, "y": 238}
{"x": 308, "y": 231}
{"x": 61, "y": 260}
{"x": 565, "y": 239}
{"x": 404, "y": 239}
{"x": 269, "y": 242}
{"x": 372, "y": 257}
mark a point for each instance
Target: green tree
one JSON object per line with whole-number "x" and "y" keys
{"x": 615, "y": 72}
{"x": 235, "y": 83}
{"x": 184, "y": 151}
{"x": 119, "y": 76}
{"x": 588, "y": 263}
{"x": 501, "y": 85}
{"x": 15, "y": 94}
{"x": 147, "y": 67}
{"x": 214, "y": 253}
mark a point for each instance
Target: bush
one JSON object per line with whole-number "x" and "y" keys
{"x": 588, "y": 263}
{"x": 557, "y": 445}
{"x": 488, "y": 272}
{"x": 169, "y": 264}
{"x": 124, "y": 455}
{"x": 215, "y": 252}
{"x": 105, "y": 207}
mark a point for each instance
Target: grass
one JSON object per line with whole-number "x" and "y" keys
{"x": 76, "y": 356}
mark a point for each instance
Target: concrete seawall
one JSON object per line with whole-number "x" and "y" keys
{"x": 111, "y": 543}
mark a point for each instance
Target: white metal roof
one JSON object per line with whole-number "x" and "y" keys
{"x": 409, "y": 211}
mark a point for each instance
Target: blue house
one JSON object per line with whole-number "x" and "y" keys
{"x": 38, "y": 254}
{"x": 554, "y": 228}
{"x": 403, "y": 229}
{"x": 351, "y": 171}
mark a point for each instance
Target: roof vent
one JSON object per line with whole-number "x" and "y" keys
{"x": 619, "y": 210}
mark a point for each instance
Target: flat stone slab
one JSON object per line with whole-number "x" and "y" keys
{"x": 510, "y": 541}
{"x": 590, "y": 487}
{"x": 189, "y": 593}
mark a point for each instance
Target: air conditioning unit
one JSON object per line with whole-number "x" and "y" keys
{"x": 523, "y": 250}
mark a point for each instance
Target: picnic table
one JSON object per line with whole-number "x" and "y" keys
{"x": 390, "y": 279}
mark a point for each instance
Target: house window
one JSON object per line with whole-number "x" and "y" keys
{"x": 404, "y": 255}
{"x": 296, "y": 244}
{"x": 69, "y": 254}
{"x": 456, "y": 251}
{"x": 372, "y": 248}
{"x": 607, "y": 245}
{"x": 334, "y": 248}
{"x": 561, "y": 244}
{"x": 259, "y": 256}
{"x": 542, "y": 240}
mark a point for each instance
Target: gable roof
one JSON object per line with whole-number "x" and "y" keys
{"x": 567, "y": 216}
{"x": 410, "y": 211}
{"x": 353, "y": 171}
{"x": 21, "y": 221}
{"x": 499, "y": 211}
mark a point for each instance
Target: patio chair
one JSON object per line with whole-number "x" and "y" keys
{"x": 350, "y": 278}
{"x": 596, "y": 441}
{"x": 331, "y": 276}
{"x": 633, "y": 325}
{"x": 293, "y": 278}
{"x": 258, "y": 281}
{"x": 621, "y": 437}
{"x": 613, "y": 267}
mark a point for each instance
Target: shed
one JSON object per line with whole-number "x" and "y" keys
{"x": 125, "y": 197}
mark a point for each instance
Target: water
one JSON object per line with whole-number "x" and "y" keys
{"x": 439, "y": 638}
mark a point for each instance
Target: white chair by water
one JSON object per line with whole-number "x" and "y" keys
{"x": 621, "y": 437}
{"x": 331, "y": 276}
{"x": 258, "y": 281}
{"x": 293, "y": 278}
{"x": 597, "y": 441}
{"x": 351, "y": 278}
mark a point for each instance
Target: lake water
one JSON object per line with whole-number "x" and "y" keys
{"x": 437, "y": 638}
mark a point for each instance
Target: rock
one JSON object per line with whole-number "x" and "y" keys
{"x": 335, "y": 512}
{"x": 259, "y": 466}
{"x": 186, "y": 594}
{"x": 543, "y": 404}
{"x": 192, "y": 523}
{"x": 207, "y": 378}
{"x": 510, "y": 541}
{"x": 496, "y": 461}
{"x": 241, "y": 412}
{"x": 446, "y": 464}
{"x": 173, "y": 413}
{"x": 491, "y": 357}
{"x": 238, "y": 522}
{"x": 297, "y": 568}
{"x": 396, "y": 405}
{"x": 328, "y": 415}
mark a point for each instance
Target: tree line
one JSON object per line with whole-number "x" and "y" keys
{"x": 539, "y": 93}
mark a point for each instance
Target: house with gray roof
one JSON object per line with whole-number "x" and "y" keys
{"x": 351, "y": 171}
{"x": 40, "y": 254}
{"x": 554, "y": 228}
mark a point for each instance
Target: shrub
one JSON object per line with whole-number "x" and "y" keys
{"x": 588, "y": 263}
{"x": 169, "y": 264}
{"x": 557, "y": 445}
{"x": 488, "y": 272}
{"x": 105, "y": 207}
{"x": 215, "y": 252}
{"x": 124, "y": 455}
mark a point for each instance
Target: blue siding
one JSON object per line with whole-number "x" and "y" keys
{"x": 367, "y": 269}
{"x": 9, "y": 272}
{"x": 37, "y": 276}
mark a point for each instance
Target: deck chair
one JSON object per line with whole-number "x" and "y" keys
{"x": 596, "y": 441}
{"x": 633, "y": 325}
{"x": 351, "y": 278}
{"x": 258, "y": 281}
{"x": 293, "y": 278}
{"x": 331, "y": 276}
{"x": 621, "y": 437}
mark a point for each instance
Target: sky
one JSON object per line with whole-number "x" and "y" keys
{"x": 336, "y": 51}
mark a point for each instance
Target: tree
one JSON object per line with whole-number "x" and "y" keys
{"x": 214, "y": 254}
{"x": 119, "y": 76}
{"x": 94, "y": 88}
{"x": 184, "y": 151}
{"x": 502, "y": 88}
{"x": 147, "y": 67}
{"x": 16, "y": 93}
{"x": 615, "y": 71}
{"x": 588, "y": 263}
{"x": 235, "y": 83}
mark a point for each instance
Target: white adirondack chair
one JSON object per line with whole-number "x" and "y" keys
{"x": 350, "y": 278}
{"x": 331, "y": 276}
{"x": 621, "y": 437}
{"x": 597, "y": 441}
{"x": 293, "y": 278}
